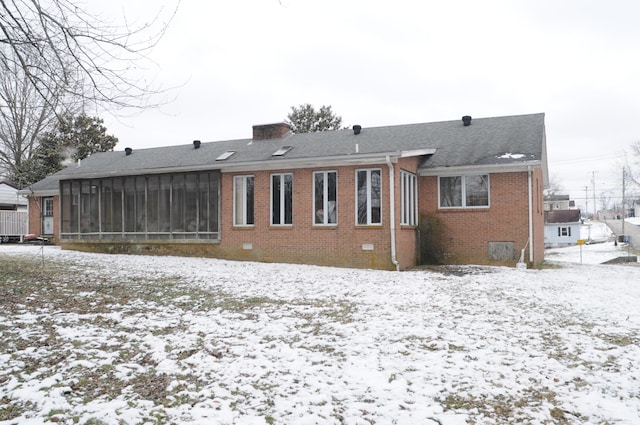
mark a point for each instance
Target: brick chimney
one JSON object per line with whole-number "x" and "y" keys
{"x": 270, "y": 131}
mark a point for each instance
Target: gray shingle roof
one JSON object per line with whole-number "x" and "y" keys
{"x": 487, "y": 141}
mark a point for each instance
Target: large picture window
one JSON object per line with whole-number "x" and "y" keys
{"x": 167, "y": 206}
{"x": 368, "y": 196}
{"x": 243, "y": 200}
{"x": 464, "y": 191}
{"x": 324, "y": 197}
{"x": 282, "y": 199}
{"x": 408, "y": 199}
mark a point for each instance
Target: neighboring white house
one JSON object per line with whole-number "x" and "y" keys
{"x": 13, "y": 213}
{"x": 9, "y": 197}
{"x": 561, "y": 228}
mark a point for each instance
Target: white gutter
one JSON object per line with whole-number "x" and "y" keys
{"x": 392, "y": 212}
{"x": 530, "y": 215}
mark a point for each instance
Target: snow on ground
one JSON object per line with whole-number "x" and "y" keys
{"x": 206, "y": 341}
{"x": 633, "y": 220}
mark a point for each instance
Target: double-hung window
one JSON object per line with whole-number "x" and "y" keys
{"x": 408, "y": 199}
{"x": 282, "y": 199}
{"x": 324, "y": 197}
{"x": 464, "y": 191}
{"x": 368, "y": 196}
{"x": 564, "y": 231}
{"x": 243, "y": 200}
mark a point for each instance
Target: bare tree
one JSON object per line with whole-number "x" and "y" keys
{"x": 633, "y": 169}
{"x": 78, "y": 54}
{"x": 554, "y": 187}
{"x": 24, "y": 114}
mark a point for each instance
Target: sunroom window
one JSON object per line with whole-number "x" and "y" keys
{"x": 165, "y": 206}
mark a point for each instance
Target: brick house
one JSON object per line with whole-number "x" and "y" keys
{"x": 353, "y": 197}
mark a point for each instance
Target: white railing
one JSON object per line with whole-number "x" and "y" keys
{"x": 14, "y": 223}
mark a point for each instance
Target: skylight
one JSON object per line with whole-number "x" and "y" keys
{"x": 225, "y": 155}
{"x": 283, "y": 150}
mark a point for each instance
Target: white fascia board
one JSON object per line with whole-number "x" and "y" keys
{"x": 479, "y": 169}
{"x": 48, "y": 192}
{"x": 417, "y": 152}
{"x": 315, "y": 162}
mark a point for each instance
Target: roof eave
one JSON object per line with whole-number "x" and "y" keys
{"x": 270, "y": 164}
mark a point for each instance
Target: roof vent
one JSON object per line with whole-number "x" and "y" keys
{"x": 128, "y": 151}
{"x": 466, "y": 120}
{"x": 356, "y": 129}
{"x": 196, "y": 144}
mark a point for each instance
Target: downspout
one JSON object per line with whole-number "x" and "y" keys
{"x": 531, "y": 244}
{"x": 392, "y": 212}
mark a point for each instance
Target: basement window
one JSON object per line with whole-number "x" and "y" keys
{"x": 282, "y": 151}
{"x": 225, "y": 155}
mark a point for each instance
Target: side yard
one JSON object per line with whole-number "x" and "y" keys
{"x": 116, "y": 339}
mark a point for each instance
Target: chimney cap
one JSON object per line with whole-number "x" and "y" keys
{"x": 128, "y": 151}
{"x": 356, "y": 129}
{"x": 466, "y": 120}
{"x": 196, "y": 144}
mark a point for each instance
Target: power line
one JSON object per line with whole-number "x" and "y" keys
{"x": 587, "y": 159}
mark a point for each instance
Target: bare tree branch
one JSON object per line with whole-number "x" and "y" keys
{"x": 79, "y": 55}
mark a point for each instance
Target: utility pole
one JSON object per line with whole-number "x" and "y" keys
{"x": 623, "y": 210}
{"x": 586, "y": 201}
{"x": 593, "y": 182}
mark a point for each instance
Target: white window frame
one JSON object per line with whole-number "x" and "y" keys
{"x": 408, "y": 198}
{"x": 464, "y": 192}
{"x": 369, "y": 214}
{"x": 327, "y": 210}
{"x": 281, "y": 200}
{"x": 244, "y": 218}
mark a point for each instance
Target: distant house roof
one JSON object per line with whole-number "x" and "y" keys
{"x": 562, "y": 216}
{"x": 502, "y": 142}
{"x": 8, "y": 183}
{"x": 556, "y": 198}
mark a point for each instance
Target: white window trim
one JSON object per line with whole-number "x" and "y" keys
{"x": 408, "y": 199}
{"x": 564, "y": 229}
{"x": 325, "y": 198}
{"x": 282, "y": 200}
{"x": 368, "y": 223}
{"x": 464, "y": 192}
{"x": 244, "y": 200}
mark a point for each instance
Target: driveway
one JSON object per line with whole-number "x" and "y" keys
{"x": 629, "y": 229}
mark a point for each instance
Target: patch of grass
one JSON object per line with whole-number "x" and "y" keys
{"x": 9, "y": 410}
{"x": 504, "y": 409}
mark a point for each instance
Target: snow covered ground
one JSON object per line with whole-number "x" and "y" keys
{"x": 117, "y": 339}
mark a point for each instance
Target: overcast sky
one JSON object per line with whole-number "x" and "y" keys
{"x": 243, "y": 62}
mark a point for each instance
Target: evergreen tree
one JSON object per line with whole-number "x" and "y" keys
{"x": 305, "y": 119}
{"x": 72, "y": 138}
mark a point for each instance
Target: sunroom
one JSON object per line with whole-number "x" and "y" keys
{"x": 177, "y": 206}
